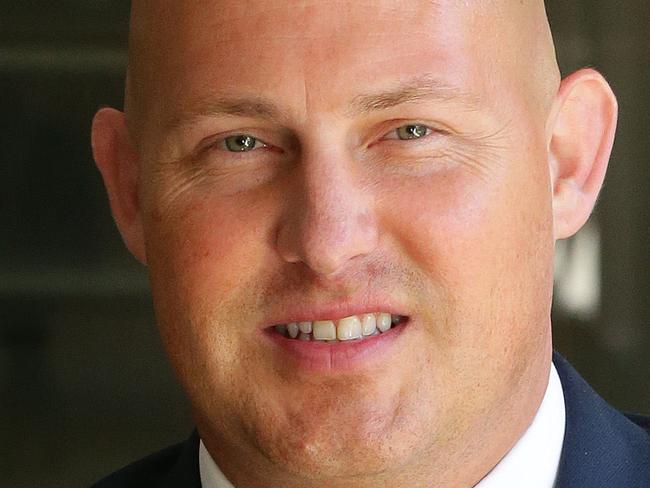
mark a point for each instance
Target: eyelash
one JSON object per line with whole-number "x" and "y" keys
{"x": 221, "y": 143}
{"x": 428, "y": 132}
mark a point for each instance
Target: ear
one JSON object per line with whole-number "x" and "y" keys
{"x": 581, "y": 132}
{"x": 117, "y": 161}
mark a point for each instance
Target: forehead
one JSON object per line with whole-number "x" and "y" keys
{"x": 320, "y": 52}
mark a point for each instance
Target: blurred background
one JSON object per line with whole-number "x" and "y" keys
{"x": 84, "y": 386}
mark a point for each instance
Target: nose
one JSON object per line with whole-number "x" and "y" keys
{"x": 330, "y": 218}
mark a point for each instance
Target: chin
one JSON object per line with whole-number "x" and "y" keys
{"x": 342, "y": 440}
{"x": 333, "y": 455}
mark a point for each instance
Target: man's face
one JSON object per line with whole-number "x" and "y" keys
{"x": 395, "y": 162}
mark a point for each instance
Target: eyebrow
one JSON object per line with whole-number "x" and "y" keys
{"x": 234, "y": 107}
{"x": 411, "y": 91}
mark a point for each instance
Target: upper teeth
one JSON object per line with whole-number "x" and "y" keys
{"x": 345, "y": 329}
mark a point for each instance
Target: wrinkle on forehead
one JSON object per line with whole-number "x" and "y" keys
{"x": 519, "y": 27}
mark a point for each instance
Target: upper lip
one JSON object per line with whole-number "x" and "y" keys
{"x": 307, "y": 312}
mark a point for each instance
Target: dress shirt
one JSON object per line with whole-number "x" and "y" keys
{"x": 534, "y": 460}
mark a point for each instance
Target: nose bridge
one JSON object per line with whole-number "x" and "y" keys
{"x": 332, "y": 218}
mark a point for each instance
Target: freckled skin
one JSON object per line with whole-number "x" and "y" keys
{"x": 458, "y": 229}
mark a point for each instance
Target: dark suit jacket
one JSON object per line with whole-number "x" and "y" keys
{"x": 602, "y": 448}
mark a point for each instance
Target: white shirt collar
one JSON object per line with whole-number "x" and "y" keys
{"x": 211, "y": 475}
{"x": 533, "y": 462}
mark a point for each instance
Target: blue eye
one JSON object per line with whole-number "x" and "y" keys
{"x": 242, "y": 143}
{"x": 412, "y": 131}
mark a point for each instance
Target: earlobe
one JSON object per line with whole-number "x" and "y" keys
{"x": 117, "y": 161}
{"x": 582, "y": 126}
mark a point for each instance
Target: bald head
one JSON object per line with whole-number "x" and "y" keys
{"x": 513, "y": 39}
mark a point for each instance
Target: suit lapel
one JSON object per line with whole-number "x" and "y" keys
{"x": 602, "y": 448}
{"x": 185, "y": 472}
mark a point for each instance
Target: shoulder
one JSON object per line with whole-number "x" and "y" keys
{"x": 175, "y": 465}
{"x": 602, "y": 447}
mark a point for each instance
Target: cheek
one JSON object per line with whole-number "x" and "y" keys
{"x": 483, "y": 247}
{"x": 484, "y": 242}
{"x": 189, "y": 249}
{"x": 204, "y": 255}
{"x": 439, "y": 219}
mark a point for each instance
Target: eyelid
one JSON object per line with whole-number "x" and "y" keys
{"x": 430, "y": 130}
{"x": 433, "y": 129}
{"x": 219, "y": 141}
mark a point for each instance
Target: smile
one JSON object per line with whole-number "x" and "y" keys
{"x": 352, "y": 328}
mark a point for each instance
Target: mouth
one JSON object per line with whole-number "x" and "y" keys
{"x": 355, "y": 342}
{"x": 354, "y": 327}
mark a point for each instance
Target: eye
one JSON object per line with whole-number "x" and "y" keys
{"x": 241, "y": 143}
{"x": 412, "y": 131}
{"x": 409, "y": 132}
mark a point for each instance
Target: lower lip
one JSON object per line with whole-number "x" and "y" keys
{"x": 322, "y": 357}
